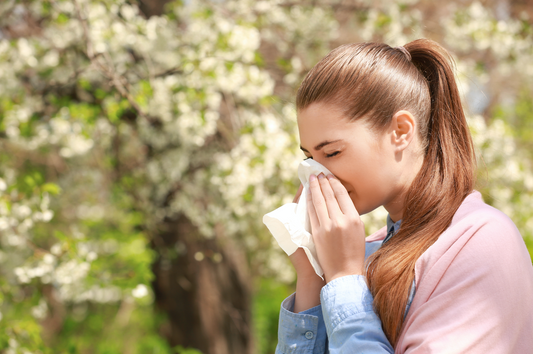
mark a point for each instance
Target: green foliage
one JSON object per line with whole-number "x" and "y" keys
{"x": 267, "y": 301}
{"x": 519, "y": 116}
{"x": 180, "y": 350}
{"x": 114, "y": 329}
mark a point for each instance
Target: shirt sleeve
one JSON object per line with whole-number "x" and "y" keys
{"x": 345, "y": 322}
{"x": 301, "y": 333}
{"x": 358, "y": 328}
{"x": 352, "y": 325}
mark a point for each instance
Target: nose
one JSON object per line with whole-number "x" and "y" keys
{"x": 345, "y": 185}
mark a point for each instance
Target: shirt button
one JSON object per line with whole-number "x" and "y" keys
{"x": 309, "y": 335}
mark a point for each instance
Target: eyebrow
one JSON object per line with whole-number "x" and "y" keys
{"x": 321, "y": 145}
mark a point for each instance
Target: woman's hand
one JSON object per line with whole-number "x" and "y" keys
{"x": 337, "y": 229}
{"x": 298, "y": 194}
{"x": 299, "y": 259}
{"x": 308, "y": 283}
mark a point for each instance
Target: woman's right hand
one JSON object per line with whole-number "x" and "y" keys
{"x": 301, "y": 264}
{"x": 298, "y": 194}
{"x": 299, "y": 259}
{"x": 308, "y": 283}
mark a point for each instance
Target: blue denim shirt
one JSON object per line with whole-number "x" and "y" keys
{"x": 345, "y": 322}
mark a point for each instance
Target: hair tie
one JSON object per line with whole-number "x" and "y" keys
{"x": 404, "y": 51}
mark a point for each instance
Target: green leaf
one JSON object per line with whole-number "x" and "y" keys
{"x": 51, "y": 188}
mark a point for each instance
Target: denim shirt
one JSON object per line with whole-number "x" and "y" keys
{"x": 345, "y": 322}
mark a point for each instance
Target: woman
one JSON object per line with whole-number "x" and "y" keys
{"x": 449, "y": 274}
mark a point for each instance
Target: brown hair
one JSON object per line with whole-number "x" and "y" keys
{"x": 373, "y": 81}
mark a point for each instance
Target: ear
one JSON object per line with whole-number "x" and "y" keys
{"x": 403, "y": 129}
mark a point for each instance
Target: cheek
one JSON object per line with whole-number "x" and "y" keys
{"x": 361, "y": 182}
{"x": 347, "y": 176}
{"x": 358, "y": 175}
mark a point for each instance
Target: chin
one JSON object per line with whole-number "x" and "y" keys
{"x": 363, "y": 209}
{"x": 358, "y": 206}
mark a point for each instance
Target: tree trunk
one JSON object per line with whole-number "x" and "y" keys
{"x": 203, "y": 287}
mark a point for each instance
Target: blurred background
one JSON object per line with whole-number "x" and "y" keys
{"x": 141, "y": 142}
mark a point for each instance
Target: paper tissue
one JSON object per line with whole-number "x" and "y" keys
{"x": 289, "y": 224}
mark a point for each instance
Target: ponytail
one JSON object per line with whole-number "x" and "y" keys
{"x": 447, "y": 176}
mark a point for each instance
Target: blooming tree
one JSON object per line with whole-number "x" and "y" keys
{"x": 139, "y": 155}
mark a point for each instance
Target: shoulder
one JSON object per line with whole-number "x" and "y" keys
{"x": 478, "y": 276}
{"x": 474, "y": 212}
{"x": 480, "y": 235}
{"x": 475, "y": 219}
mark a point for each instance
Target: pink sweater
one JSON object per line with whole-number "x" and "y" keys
{"x": 474, "y": 288}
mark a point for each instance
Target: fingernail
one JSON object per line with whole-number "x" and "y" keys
{"x": 312, "y": 178}
{"x": 330, "y": 176}
{"x": 321, "y": 175}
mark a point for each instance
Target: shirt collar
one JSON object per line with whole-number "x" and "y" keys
{"x": 391, "y": 223}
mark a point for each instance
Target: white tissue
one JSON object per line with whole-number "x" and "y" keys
{"x": 289, "y": 224}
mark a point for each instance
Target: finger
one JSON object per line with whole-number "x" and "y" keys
{"x": 318, "y": 201}
{"x": 313, "y": 219}
{"x": 298, "y": 194}
{"x": 329, "y": 196}
{"x": 343, "y": 198}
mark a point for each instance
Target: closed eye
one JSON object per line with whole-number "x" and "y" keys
{"x": 333, "y": 154}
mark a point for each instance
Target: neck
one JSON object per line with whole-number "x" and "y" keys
{"x": 396, "y": 205}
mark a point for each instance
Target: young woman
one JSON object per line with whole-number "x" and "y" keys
{"x": 449, "y": 274}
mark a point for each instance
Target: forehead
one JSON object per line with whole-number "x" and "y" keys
{"x": 322, "y": 121}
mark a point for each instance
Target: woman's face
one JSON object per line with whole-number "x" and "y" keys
{"x": 365, "y": 162}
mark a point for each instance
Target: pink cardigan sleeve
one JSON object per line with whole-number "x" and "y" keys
{"x": 474, "y": 288}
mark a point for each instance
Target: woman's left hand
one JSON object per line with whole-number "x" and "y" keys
{"x": 338, "y": 231}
